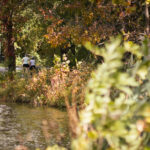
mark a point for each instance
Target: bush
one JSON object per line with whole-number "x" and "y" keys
{"x": 116, "y": 116}
{"x": 48, "y": 86}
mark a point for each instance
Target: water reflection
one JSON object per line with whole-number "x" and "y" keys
{"x": 32, "y": 127}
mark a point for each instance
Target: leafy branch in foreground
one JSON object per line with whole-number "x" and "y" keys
{"x": 116, "y": 117}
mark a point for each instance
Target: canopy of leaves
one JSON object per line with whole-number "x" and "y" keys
{"x": 79, "y": 21}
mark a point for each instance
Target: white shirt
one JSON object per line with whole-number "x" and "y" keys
{"x": 32, "y": 62}
{"x": 25, "y": 60}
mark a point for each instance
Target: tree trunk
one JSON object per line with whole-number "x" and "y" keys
{"x": 73, "y": 61}
{"x": 72, "y": 115}
{"x": 9, "y": 51}
{"x": 147, "y": 18}
{"x": 147, "y": 28}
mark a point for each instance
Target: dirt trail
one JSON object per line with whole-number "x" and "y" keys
{"x": 4, "y": 69}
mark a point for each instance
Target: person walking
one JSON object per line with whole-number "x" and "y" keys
{"x": 32, "y": 65}
{"x": 25, "y": 62}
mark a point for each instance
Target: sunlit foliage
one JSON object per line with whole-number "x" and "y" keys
{"x": 116, "y": 113}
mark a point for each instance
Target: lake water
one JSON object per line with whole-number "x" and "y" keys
{"x": 32, "y": 127}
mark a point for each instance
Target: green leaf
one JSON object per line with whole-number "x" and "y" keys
{"x": 92, "y": 134}
{"x": 94, "y": 49}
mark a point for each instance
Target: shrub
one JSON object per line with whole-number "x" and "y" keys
{"x": 118, "y": 122}
{"x": 48, "y": 86}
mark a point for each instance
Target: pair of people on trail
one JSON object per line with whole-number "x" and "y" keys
{"x": 28, "y": 63}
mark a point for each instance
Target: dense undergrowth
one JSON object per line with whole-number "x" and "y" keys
{"x": 47, "y": 87}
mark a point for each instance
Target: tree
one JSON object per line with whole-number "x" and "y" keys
{"x": 71, "y": 23}
{"x": 10, "y": 20}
